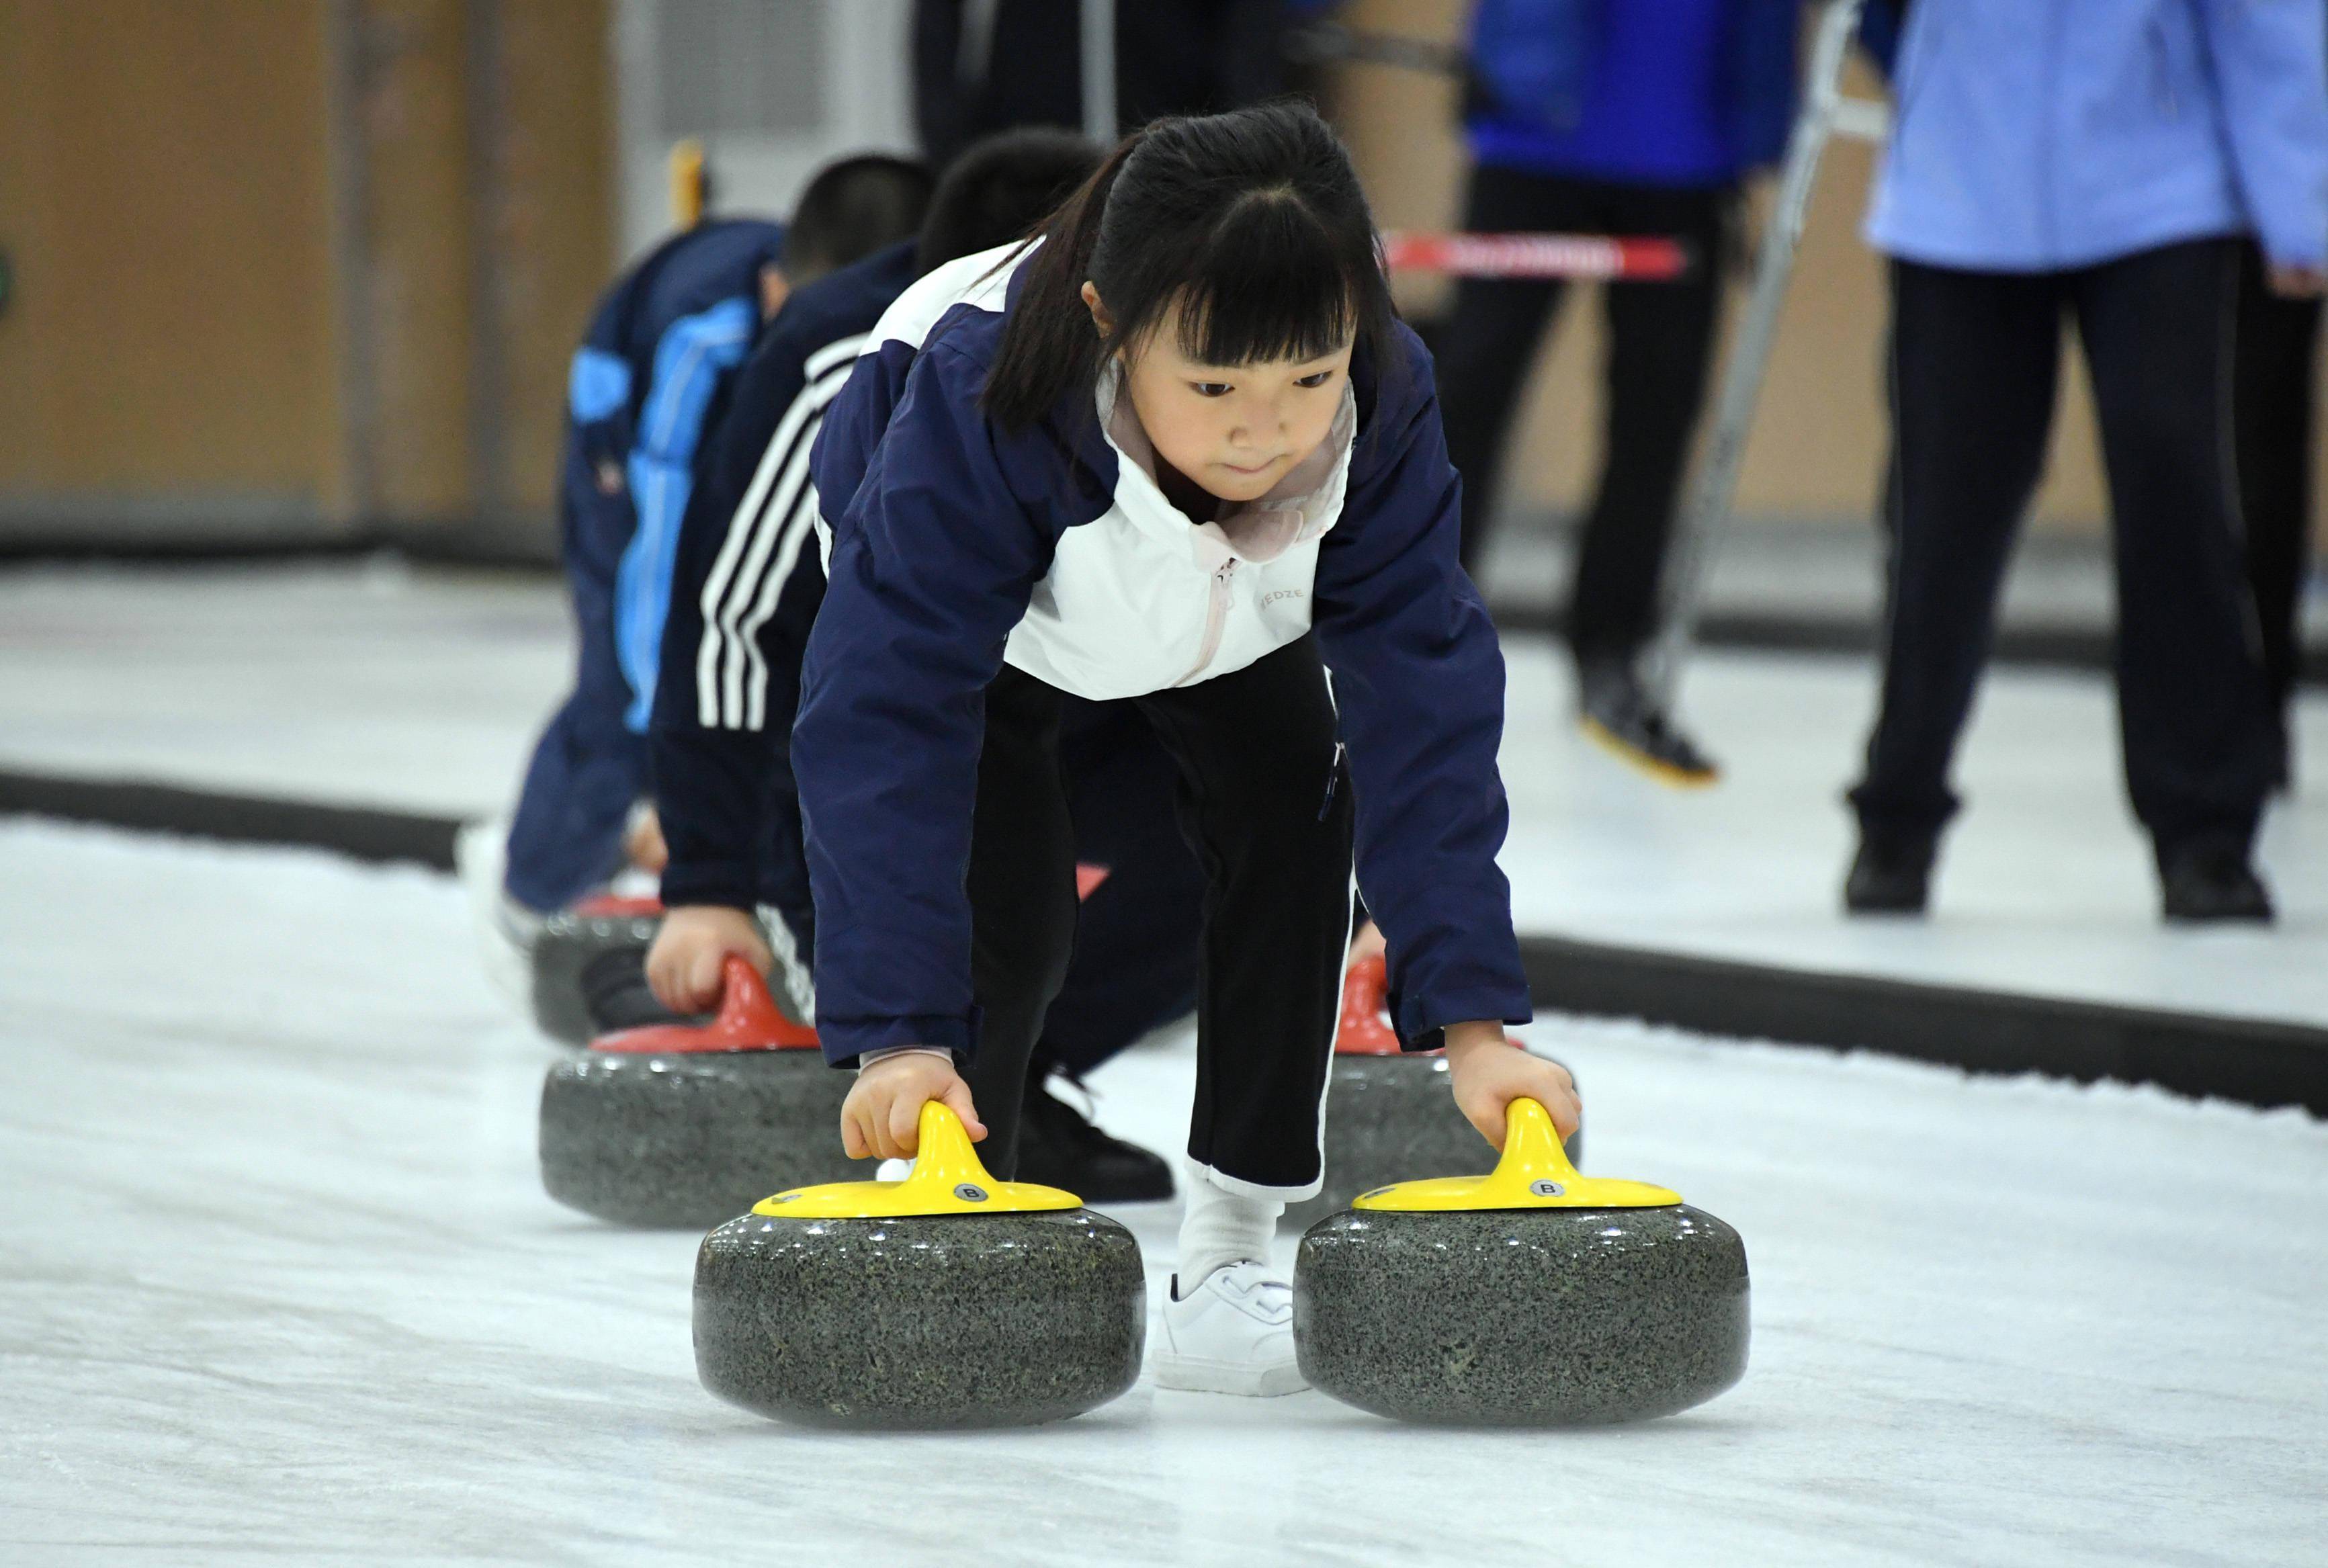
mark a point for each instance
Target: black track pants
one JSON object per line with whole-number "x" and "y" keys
{"x": 1136, "y": 934}
{"x": 1260, "y": 803}
{"x": 1975, "y": 360}
{"x": 1660, "y": 340}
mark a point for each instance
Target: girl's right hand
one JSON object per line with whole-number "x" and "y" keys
{"x": 883, "y": 1112}
{"x": 1488, "y": 1071}
{"x": 683, "y": 964}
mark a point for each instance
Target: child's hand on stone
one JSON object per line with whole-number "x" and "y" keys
{"x": 1489, "y": 1072}
{"x": 683, "y": 964}
{"x": 883, "y": 1113}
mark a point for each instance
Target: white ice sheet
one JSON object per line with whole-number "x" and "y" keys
{"x": 425, "y": 690}
{"x": 277, "y": 1283}
{"x": 365, "y": 685}
{"x": 2044, "y": 886}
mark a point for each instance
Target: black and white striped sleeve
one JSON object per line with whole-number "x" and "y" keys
{"x": 744, "y": 589}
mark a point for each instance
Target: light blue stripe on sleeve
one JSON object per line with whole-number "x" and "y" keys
{"x": 598, "y": 384}
{"x": 688, "y": 364}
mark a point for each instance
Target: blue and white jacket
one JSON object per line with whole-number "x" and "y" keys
{"x": 650, "y": 374}
{"x": 957, "y": 548}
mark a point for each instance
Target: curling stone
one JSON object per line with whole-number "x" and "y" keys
{"x": 946, "y": 1299}
{"x": 589, "y": 970}
{"x": 1388, "y": 1111}
{"x": 683, "y": 1125}
{"x": 1531, "y": 1296}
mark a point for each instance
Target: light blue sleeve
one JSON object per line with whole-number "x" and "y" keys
{"x": 598, "y": 384}
{"x": 688, "y": 362}
{"x": 2270, "y": 60}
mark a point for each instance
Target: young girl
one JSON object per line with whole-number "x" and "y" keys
{"x": 1180, "y": 452}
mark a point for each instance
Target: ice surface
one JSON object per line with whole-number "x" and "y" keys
{"x": 278, "y": 1282}
{"x": 367, "y": 685}
{"x": 2044, "y": 886}
{"x": 425, "y": 690}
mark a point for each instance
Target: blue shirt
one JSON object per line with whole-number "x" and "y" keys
{"x": 2033, "y": 135}
{"x": 1685, "y": 93}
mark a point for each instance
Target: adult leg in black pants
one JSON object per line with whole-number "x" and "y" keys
{"x": 2157, "y": 330}
{"x": 1659, "y": 341}
{"x": 1491, "y": 342}
{"x": 2272, "y": 405}
{"x": 1974, "y": 365}
{"x": 1254, "y": 752}
{"x": 1974, "y": 359}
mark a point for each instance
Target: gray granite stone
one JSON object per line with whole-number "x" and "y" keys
{"x": 687, "y": 1139}
{"x": 1391, "y": 1119}
{"x": 578, "y": 956}
{"x": 939, "y": 1321}
{"x": 1542, "y": 1316}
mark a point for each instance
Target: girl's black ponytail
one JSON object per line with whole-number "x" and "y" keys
{"x": 1051, "y": 343}
{"x": 1249, "y": 229}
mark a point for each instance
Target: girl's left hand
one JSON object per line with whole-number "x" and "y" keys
{"x": 1489, "y": 1072}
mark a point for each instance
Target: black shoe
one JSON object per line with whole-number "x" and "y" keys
{"x": 1615, "y": 710}
{"x": 1890, "y": 875}
{"x": 2210, "y": 880}
{"x": 1059, "y": 1147}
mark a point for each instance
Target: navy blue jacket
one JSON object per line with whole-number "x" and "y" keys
{"x": 744, "y": 589}
{"x": 946, "y": 528}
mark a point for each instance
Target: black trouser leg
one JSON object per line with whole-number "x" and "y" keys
{"x": 1257, "y": 758}
{"x": 1660, "y": 342}
{"x": 2272, "y": 404}
{"x": 1022, "y": 901}
{"x": 2157, "y": 333}
{"x": 1136, "y": 934}
{"x": 1974, "y": 360}
{"x": 1489, "y": 346}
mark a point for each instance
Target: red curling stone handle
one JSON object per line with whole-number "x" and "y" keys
{"x": 1365, "y": 1027}
{"x": 747, "y": 1020}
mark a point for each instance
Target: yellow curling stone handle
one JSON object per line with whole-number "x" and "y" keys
{"x": 947, "y": 1178}
{"x": 1533, "y": 1173}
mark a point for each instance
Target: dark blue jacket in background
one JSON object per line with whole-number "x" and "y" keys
{"x": 944, "y": 526}
{"x": 1656, "y": 93}
{"x": 647, "y": 378}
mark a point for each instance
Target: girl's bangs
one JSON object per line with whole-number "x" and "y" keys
{"x": 1271, "y": 285}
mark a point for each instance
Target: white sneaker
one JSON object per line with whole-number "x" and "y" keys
{"x": 1233, "y": 1334}
{"x": 506, "y": 929}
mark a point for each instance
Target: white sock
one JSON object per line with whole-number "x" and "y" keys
{"x": 1220, "y": 1228}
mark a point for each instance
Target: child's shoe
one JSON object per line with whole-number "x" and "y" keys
{"x": 1232, "y": 1334}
